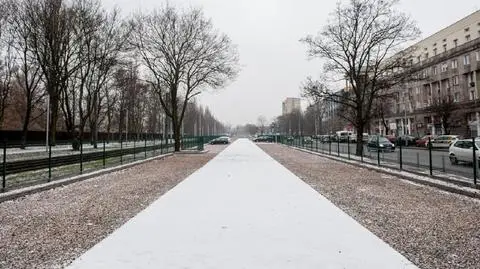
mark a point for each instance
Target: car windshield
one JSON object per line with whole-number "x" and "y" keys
{"x": 383, "y": 140}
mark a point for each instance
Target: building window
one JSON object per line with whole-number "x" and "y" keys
{"x": 466, "y": 59}
{"x": 454, "y": 63}
{"x": 417, "y": 90}
{"x": 467, "y": 29}
{"x": 426, "y": 55}
{"x": 435, "y": 51}
{"x": 477, "y": 56}
{"x": 434, "y": 70}
{"x": 470, "y": 79}
{"x": 472, "y": 95}
{"x": 456, "y": 97}
{"x": 455, "y": 80}
{"x": 444, "y": 47}
{"x": 444, "y": 67}
{"x": 418, "y": 59}
{"x": 455, "y": 42}
{"x": 467, "y": 38}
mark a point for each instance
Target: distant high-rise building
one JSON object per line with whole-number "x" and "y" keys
{"x": 290, "y": 105}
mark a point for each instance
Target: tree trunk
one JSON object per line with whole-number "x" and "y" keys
{"x": 54, "y": 102}
{"x": 359, "y": 149}
{"x": 177, "y": 135}
{"x": 26, "y": 122}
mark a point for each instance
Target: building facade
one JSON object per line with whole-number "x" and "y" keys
{"x": 290, "y": 105}
{"x": 444, "y": 95}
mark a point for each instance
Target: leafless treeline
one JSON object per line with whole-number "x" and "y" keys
{"x": 98, "y": 71}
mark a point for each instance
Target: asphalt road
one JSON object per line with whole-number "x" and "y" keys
{"x": 413, "y": 158}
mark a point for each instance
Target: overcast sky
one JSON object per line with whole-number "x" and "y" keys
{"x": 274, "y": 62}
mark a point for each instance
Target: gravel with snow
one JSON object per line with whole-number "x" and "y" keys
{"x": 51, "y": 228}
{"x": 432, "y": 228}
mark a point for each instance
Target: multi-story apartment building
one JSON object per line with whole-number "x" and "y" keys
{"x": 449, "y": 64}
{"x": 290, "y": 105}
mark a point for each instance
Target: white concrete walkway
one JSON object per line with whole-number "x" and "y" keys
{"x": 242, "y": 210}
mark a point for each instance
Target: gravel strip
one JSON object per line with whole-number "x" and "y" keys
{"x": 50, "y": 229}
{"x": 432, "y": 228}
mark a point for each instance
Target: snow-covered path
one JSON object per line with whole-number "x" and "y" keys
{"x": 242, "y": 210}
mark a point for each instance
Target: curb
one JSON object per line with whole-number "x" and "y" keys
{"x": 14, "y": 194}
{"x": 423, "y": 180}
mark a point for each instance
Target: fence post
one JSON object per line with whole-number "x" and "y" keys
{"x": 81, "y": 156}
{"x": 4, "y": 165}
{"x": 378, "y": 150}
{"x": 475, "y": 162}
{"x": 103, "y": 152}
{"x": 154, "y": 149}
{"x": 134, "y": 147}
{"x": 418, "y": 159}
{"x": 316, "y": 143}
{"x": 348, "y": 146}
{"x": 161, "y": 145}
{"x": 430, "y": 156}
{"x": 401, "y": 162}
{"x": 121, "y": 149}
{"x": 363, "y": 148}
{"x": 49, "y": 161}
{"x": 338, "y": 147}
{"x": 330, "y": 146}
{"x": 145, "y": 137}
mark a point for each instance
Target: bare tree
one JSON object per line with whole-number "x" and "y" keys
{"x": 358, "y": 45}
{"x": 29, "y": 73}
{"x": 444, "y": 108}
{"x": 55, "y": 46}
{"x": 262, "y": 123}
{"x": 184, "y": 55}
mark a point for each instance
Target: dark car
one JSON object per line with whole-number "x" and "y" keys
{"x": 220, "y": 140}
{"x": 423, "y": 142}
{"x": 407, "y": 140}
{"x": 380, "y": 143}
{"x": 264, "y": 138}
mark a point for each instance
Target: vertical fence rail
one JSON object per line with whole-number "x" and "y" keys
{"x": 400, "y": 154}
{"x": 121, "y": 150}
{"x": 378, "y": 150}
{"x": 430, "y": 156}
{"x": 4, "y": 166}
{"x": 81, "y": 156}
{"x": 104, "y": 161}
{"x": 49, "y": 162}
{"x": 145, "y": 148}
{"x": 475, "y": 161}
{"x": 348, "y": 146}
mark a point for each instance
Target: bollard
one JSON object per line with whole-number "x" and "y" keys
{"x": 103, "y": 152}
{"x": 430, "y": 156}
{"x": 475, "y": 161}
{"x": 4, "y": 166}
{"x": 418, "y": 160}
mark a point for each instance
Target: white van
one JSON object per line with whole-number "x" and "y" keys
{"x": 343, "y": 136}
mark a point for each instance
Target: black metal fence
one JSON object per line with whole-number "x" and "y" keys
{"x": 43, "y": 164}
{"x": 434, "y": 162}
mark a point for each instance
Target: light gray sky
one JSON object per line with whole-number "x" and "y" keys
{"x": 274, "y": 62}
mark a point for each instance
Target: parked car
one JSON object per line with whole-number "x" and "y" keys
{"x": 380, "y": 143}
{"x": 407, "y": 140}
{"x": 342, "y": 136}
{"x": 462, "y": 151}
{"x": 307, "y": 140}
{"x": 392, "y": 138}
{"x": 220, "y": 140}
{"x": 422, "y": 142}
{"x": 264, "y": 138}
{"x": 443, "y": 141}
